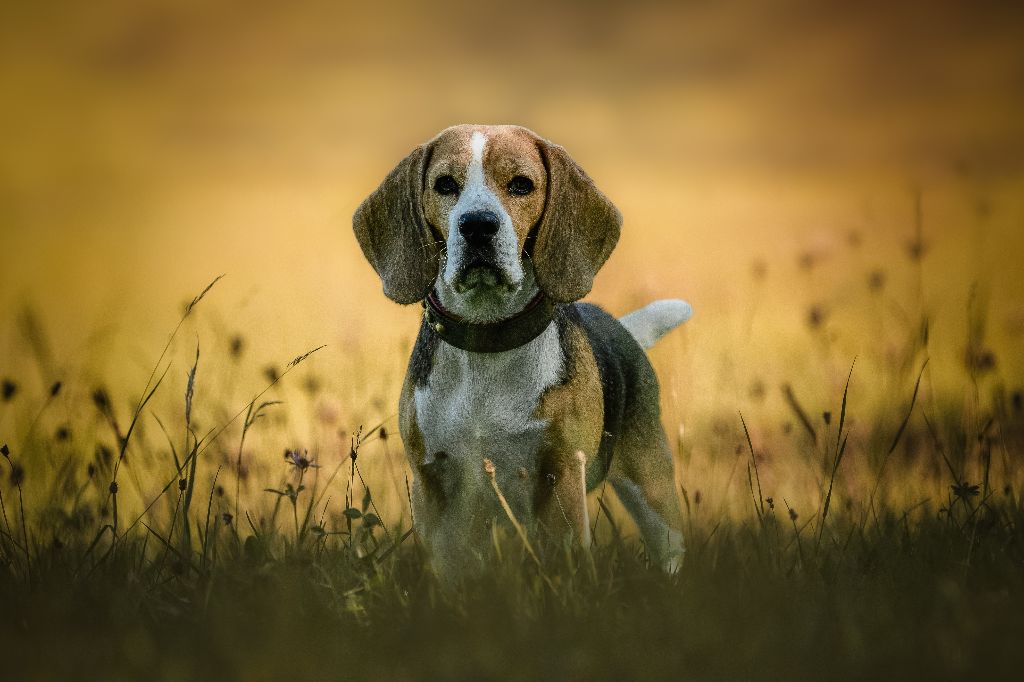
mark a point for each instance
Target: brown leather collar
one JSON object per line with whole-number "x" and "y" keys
{"x": 490, "y": 337}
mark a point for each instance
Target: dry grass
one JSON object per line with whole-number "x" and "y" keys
{"x": 830, "y": 188}
{"x": 875, "y": 532}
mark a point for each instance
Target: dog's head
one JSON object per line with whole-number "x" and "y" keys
{"x": 486, "y": 212}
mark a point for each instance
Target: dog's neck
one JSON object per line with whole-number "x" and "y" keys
{"x": 491, "y": 319}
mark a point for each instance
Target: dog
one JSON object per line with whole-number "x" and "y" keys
{"x": 498, "y": 234}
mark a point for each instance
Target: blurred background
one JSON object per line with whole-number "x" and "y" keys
{"x": 821, "y": 180}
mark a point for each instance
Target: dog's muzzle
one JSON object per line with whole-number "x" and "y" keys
{"x": 479, "y": 265}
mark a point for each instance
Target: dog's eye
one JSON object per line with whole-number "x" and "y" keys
{"x": 520, "y": 185}
{"x": 445, "y": 185}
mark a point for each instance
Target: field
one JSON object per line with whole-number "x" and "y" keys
{"x": 202, "y": 477}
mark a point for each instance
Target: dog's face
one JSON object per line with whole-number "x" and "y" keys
{"x": 484, "y": 192}
{"x": 480, "y": 210}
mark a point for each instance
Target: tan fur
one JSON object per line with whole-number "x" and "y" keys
{"x": 575, "y": 414}
{"x": 579, "y": 229}
{"x": 394, "y": 234}
{"x": 510, "y": 151}
{"x": 575, "y": 227}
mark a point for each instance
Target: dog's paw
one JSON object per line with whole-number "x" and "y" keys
{"x": 672, "y": 563}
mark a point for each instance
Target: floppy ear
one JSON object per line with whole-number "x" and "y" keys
{"x": 394, "y": 234}
{"x": 577, "y": 232}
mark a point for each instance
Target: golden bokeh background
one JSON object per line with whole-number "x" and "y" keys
{"x": 814, "y": 177}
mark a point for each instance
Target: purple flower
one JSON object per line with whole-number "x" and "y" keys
{"x": 299, "y": 460}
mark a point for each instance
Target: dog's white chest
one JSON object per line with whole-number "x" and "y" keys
{"x": 482, "y": 405}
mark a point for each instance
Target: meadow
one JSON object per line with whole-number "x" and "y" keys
{"x": 172, "y": 533}
{"x": 202, "y": 478}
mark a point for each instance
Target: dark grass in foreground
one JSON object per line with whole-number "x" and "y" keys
{"x": 138, "y": 562}
{"x": 894, "y": 600}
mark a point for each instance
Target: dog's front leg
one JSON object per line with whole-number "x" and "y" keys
{"x": 561, "y": 501}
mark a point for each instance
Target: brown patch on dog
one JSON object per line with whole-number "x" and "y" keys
{"x": 508, "y": 152}
{"x": 579, "y": 229}
{"x": 574, "y": 411}
{"x": 393, "y": 232}
{"x": 574, "y": 227}
{"x": 427, "y": 478}
{"x": 412, "y": 438}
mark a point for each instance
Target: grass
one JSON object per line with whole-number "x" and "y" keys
{"x": 884, "y": 544}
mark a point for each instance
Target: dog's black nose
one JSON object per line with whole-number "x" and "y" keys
{"x": 478, "y": 227}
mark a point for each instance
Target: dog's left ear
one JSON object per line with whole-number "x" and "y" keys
{"x": 577, "y": 232}
{"x": 394, "y": 234}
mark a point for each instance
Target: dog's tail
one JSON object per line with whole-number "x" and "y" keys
{"x": 654, "y": 320}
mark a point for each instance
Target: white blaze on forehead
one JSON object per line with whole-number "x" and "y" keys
{"x": 477, "y": 196}
{"x": 476, "y": 164}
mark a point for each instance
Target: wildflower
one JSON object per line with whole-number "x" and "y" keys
{"x": 63, "y": 433}
{"x": 17, "y": 473}
{"x": 758, "y": 390}
{"x": 963, "y": 490}
{"x": 816, "y": 316}
{"x": 101, "y": 400}
{"x": 5, "y": 451}
{"x": 876, "y": 280}
{"x": 182, "y": 484}
{"x": 771, "y": 503}
{"x": 299, "y": 461}
{"x": 327, "y": 411}
{"x": 698, "y": 497}
{"x": 916, "y": 249}
{"x": 792, "y": 514}
{"x": 8, "y": 390}
{"x": 55, "y": 389}
{"x": 826, "y": 417}
{"x": 312, "y": 385}
{"x": 237, "y": 346}
{"x": 113, "y": 487}
{"x": 383, "y": 433}
{"x": 979, "y": 359}
{"x": 228, "y": 518}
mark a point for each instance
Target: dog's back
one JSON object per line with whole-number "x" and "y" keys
{"x": 631, "y": 409}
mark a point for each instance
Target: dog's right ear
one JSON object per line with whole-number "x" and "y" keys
{"x": 394, "y": 234}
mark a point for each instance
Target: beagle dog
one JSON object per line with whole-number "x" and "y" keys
{"x": 498, "y": 233}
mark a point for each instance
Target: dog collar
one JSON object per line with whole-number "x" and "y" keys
{"x": 489, "y": 337}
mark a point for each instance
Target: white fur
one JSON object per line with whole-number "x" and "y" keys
{"x": 477, "y": 196}
{"x": 481, "y": 405}
{"x": 664, "y": 543}
{"x": 654, "y": 320}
